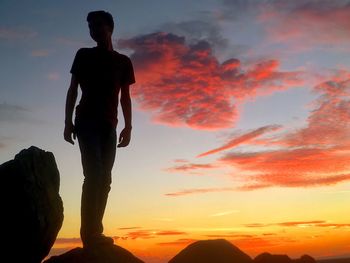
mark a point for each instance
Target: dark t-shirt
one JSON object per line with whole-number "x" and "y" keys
{"x": 101, "y": 73}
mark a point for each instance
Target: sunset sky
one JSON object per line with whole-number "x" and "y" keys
{"x": 241, "y": 120}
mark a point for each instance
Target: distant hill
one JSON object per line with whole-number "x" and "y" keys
{"x": 211, "y": 251}
{"x": 334, "y": 260}
{"x": 223, "y": 251}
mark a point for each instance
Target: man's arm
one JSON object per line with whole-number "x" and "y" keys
{"x": 125, "y": 101}
{"x": 70, "y": 103}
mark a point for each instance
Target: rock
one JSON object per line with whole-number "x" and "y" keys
{"x": 305, "y": 259}
{"x": 268, "y": 258}
{"x": 101, "y": 254}
{"x": 32, "y": 210}
{"x": 211, "y": 251}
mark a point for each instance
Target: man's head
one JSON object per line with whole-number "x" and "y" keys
{"x": 101, "y": 25}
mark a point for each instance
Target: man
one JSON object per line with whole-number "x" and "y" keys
{"x": 101, "y": 73}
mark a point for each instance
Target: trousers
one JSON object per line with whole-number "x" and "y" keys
{"x": 97, "y": 143}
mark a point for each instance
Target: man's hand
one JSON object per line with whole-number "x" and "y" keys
{"x": 124, "y": 137}
{"x": 68, "y": 131}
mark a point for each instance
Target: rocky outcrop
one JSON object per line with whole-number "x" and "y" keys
{"x": 100, "y": 254}
{"x": 222, "y": 251}
{"x": 32, "y": 210}
{"x": 269, "y": 258}
{"x": 211, "y": 251}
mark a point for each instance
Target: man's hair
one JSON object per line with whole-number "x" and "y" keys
{"x": 103, "y": 15}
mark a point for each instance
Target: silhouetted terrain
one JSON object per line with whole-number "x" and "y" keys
{"x": 101, "y": 254}
{"x": 222, "y": 251}
{"x": 205, "y": 251}
{"x": 335, "y": 260}
{"x": 31, "y": 208}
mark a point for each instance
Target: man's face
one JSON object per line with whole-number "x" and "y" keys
{"x": 99, "y": 31}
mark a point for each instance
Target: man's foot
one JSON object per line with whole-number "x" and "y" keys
{"x": 98, "y": 241}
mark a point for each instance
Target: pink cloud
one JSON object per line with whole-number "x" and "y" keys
{"x": 183, "y": 84}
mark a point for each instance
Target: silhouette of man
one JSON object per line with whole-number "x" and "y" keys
{"x": 101, "y": 73}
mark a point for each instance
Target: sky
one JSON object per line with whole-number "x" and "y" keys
{"x": 240, "y": 120}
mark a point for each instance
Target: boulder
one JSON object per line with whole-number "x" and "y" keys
{"x": 32, "y": 210}
{"x": 100, "y": 254}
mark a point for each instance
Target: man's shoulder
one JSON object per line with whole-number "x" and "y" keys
{"x": 121, "y": 56}
{"x": 84, "y": 50}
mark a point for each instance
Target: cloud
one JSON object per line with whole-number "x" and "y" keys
{"x": 302, "y": 224}
{"x": 224, "y": 213}
{"x": 40, "y": 53}
{"x": 179, "y": 242}
{"x": 12, "y": 113}
{"x": 170, "y": 233}
{"x": 184, "y": 84}
{"x": 242, "y": 139}
{"x": 188, "y": 167}
{"x": 201, "y": 191}
{"x": 314, "y": 155}
{"x": 307, "y": 23}
{"x": 16, "y": 33}
{"x": 53, "y": 76}
{"x": 150, "y": 233}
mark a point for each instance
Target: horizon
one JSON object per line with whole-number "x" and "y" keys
{"x": 241, "y": 120}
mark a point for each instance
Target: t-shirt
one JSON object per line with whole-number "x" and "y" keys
{"x": 101, "y": 73}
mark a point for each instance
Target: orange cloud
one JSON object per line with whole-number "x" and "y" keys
{"x": 179, "y": 242}
{"x": 313, "y": 223}
{"x": 150, "y": 233}
{"x": 184, "y": 84}
{"x": 315, "y": 155}
{"x": 242, "y": 139}
{"x": 201, "y": 191}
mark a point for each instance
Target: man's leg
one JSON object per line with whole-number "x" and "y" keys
{"x": 97, "y": 154}
{"x": 108, "y": 151}
{"x": 92, "y": 165}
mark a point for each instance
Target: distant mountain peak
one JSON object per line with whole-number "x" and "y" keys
{"x": 211, "y": 251}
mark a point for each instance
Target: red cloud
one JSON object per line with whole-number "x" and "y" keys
{"x": 185, "y": 85}
{"x": 242, "y": 139}
{"x": 315, "y": 155}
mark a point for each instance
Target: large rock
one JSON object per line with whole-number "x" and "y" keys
{"x": 211, "y": 251}
{"x": 100, "y": 254}
{"x": 32, "y": 210}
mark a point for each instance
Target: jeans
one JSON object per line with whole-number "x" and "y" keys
{"x": 97, "y": 143}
